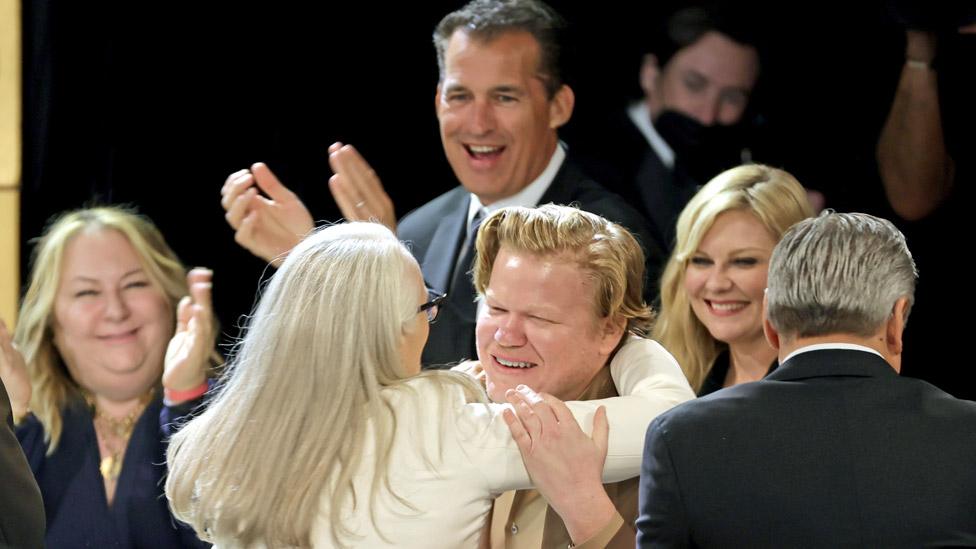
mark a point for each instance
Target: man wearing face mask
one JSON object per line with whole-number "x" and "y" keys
{"x": 688, "y": 125}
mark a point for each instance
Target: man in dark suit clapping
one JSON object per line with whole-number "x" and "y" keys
{"x": 500, "y": 102}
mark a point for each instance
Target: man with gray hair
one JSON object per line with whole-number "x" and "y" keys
{"x": 833, "y": 448}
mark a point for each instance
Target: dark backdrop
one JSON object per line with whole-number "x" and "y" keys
{"x": 154, "y": 104}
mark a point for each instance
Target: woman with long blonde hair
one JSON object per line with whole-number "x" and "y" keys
{"x": 107, "y": 304}
{"x": 712, "y": 286}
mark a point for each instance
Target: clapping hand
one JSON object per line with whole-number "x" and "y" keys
{"x": 188, "y": 353}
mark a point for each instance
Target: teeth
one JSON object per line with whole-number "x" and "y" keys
{"x": 728, "y": 306}
{"x": 511, "y": 364}
{"x": 483, "y": 149}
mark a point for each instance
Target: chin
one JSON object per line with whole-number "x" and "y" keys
{"x": 496, "y": 390}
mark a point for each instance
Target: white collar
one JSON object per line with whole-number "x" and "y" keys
{"x": 530, "y": 195}
{"x": 640, "y": 115}
{"x": 824, "y": 346}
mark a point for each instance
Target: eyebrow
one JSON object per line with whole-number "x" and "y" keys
{"x": 542, "y": 310}
{"x": 508, "y": 88}
{"x": 84, "y": 278}
{"x": 454, "y": 87}
{"x": 738, "y": 250}
{"x": 706, "y": 78}
{"x": 504, "y": 88}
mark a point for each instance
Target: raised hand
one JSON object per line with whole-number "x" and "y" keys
{"x": 356, "y": 188}
{"x": 565, "y": 464}
{"x": 269, "y": 227}
{"x": 13, "y": 373}
{"x": 190, "y": 348}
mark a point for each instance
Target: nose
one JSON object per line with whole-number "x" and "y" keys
{"x": 482, "y": 118}
{"x": 707, "y": 109}
{"x": 718, "y": 280}
{"x": 510, "y": 332}
{"x": 115, "y": 306}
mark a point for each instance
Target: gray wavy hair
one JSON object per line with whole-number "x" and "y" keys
{"x": 838, "y": 273}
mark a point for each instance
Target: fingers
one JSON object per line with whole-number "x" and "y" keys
{"x": 601, "y": 430}
{"x": 352, "y": 208}
{"x": 229, "y": 182}
{"x": 270, "y": 184}
{"x": 261, "y": 233}
{"x": 183, "y": 313}
{"x": 199, "y": 280}
{"x": 534, "y": 413}
{"x": 357, "y": 189}
{"x": 198, "y": 274}
{"x": 519, "y": 434}
{"x": 560, "y": 411}
{"x": 242, "y": 205}
{"x": 236, "y": 184}
{"x": 540, "y": 407}
{"x": 199, "y": 303}
{"x": 348, "y": 185}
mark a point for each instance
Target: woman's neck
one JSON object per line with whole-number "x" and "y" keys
{"x": 118, "y": 408}
{"x": 749, "y": 361}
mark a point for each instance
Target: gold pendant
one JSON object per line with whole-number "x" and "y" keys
{"x": 110, "y": 467}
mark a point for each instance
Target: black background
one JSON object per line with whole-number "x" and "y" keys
{"x": 155, "y": 103}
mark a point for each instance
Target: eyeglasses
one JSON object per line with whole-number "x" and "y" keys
{"x": 433, "y": 306}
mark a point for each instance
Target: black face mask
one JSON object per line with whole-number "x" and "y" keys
{"x": 701, "y": 151}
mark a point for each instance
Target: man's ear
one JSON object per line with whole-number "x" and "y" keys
{"x": 772, "y": 336}
{"x": 437, "y": 101}
{"x": 649, "y": 73}
{"x": 561, "y": 106}
{"x": 895, "y": 327}
{"x": 613, "y": 330}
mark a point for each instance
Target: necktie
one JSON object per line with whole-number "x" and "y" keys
{"x": 462, "y": 289}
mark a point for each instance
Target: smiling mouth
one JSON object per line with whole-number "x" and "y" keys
{"x": 727, "y": 307}
{"x": 483, "y": 152}
{"x": 514, "y": 364}
{"x": 120, "y": 336}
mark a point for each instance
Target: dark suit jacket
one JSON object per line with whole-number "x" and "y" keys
{"x": 435, "y": 232}
{"x": 632, "y": 169}
{"x": 21, "y": 508}
{"x": 833, "y": 449}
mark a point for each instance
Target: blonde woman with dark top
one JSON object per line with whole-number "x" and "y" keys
{"x": 712, "y": 287}
{"x": 107, "y": 304}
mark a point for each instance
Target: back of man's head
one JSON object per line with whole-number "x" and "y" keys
{"x": 605, "y": 251}
{"x": 839, "y": 273}
{"x": 486, "y": 19}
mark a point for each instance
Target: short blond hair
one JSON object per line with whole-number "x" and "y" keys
{"x": 52, "y": 385}
{"x": 605, "y": 251}
{"x": 777, "y": 200}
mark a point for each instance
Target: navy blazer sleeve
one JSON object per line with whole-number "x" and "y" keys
{"x": 662, "y": 520}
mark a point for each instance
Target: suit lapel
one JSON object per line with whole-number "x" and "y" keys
{"x": 560, "y": 190}
{"x": 439, "y": 259}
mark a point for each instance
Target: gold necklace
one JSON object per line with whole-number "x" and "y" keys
{"x": 111, "y": 466}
